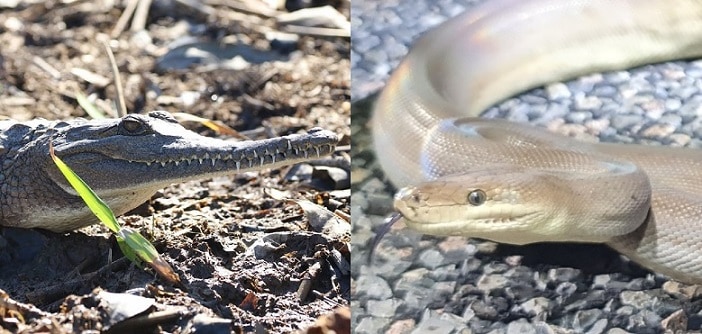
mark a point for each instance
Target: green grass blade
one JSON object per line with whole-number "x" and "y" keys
{"x": 146, "y": 252}
{"x": 142, "y": 247}
{"x": 89, "y": 107}
{"x": 133, "y": 245}
{"x": 128, "y": 252}
{"x": 96, "y": 205}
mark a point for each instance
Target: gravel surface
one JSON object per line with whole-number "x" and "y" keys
{"x": 424, "y": 284}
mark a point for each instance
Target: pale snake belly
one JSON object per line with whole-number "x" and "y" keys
{"x": 515, "y": 184}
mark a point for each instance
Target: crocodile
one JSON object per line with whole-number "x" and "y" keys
{"x": 125, "y": 161}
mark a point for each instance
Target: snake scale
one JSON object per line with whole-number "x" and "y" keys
{"x": 513, "y": 183}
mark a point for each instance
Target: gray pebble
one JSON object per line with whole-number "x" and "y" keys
{"x": 598, "y": 327}
{"x": 384, "y": 308}
{"x": 412, "y": 279}
{"x": 489, "y": 283}
{"x": 445, "y": 273}
{"x": 557, "y": 91}
{"x": 521, "y": 326}
{"x": 373, "y": 287}
{"x": 637, "y": 299}
{"x": 379, "y": 204}
{"x": 617, "y": 331}
{"x": 644, "y": 322}
{"x": 585, "y": 319}
{"x": 430, "y": 258}
{"x": 563, "y": 274}
{"x": 538, "y": 307}
{"x": 484, "y": 310}
{"x": 625, "y": 121}
{"x": 578, "y": 117}
{"x": 371, "y": 325}
{"x": 417, "y": 300}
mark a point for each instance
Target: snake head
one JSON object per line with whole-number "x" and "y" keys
{"x": 469, "y": 205}
{"x": 514, "y": 205}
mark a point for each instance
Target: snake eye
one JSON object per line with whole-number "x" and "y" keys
{"x": 477, "y": 197}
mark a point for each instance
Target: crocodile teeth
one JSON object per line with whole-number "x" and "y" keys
{"x": 238, "y": 165}
{"x": 317, "y": 149}
{"x": 163, "y": 164}
{"x": 213, "y": 161}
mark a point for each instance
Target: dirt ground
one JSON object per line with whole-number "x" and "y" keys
{"x": 247, "y": 255}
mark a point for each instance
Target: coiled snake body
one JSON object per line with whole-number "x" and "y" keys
{"x": 516, "y": 184}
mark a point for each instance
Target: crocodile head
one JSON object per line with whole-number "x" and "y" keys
{"x": 125, "y": 161}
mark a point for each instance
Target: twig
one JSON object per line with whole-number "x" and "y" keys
{"x": 53, "y": 72}
{"x": 140, "y": 15}
{"x": 121, "y": 106}
{"x": 122, "y": 22}
{"x": 247, "y": 6}
{"x": 317, "y": 31}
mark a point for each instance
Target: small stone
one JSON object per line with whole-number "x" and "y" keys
{"x": 417, "y": 300}
{"x": 617, "y": 331}
{"x": 401, "y": 326}
{"x": 371, "y": 325}
{"x": 384, "y": 308}
{"x": 679, "y": 139}
{"x": 521, "y": 326}
{"x": 489, "y": 283}
{"x": 495, "y": 268}
{"x": 679, "y": 289}
{"x": 538, "y": 307}
{"x": 597, "y": 126}
{"x": 484, "y": 311}
{"x": 412, "y": 279}
{"x": 637, "y": 299}
{"x": 520, "y": 291}
{"x": 578, "y": 117}
{"x": 445, "y": 273}
{"x": 622, "y": 122}
{"x": 598, "y": 327}
{"x": 585, "y": 319}
{"x": 444, "y": 289}
{"x": 456, "y": 248}
{"x": 566, "y": 289}
{"x": 658, "y": 131}
{"x": 642, "y": 321}
{"x": 563, "y": 274}
{"x": 587, "y": 102}
{"x": 13, "y": 24}
{"x": 600, "y": 281}
{"x": 431, "y": 322}
{"x": 206, "y": 324}
{"x": 557, "y": 91}
{"x": 676, "y": 322}
{"x": 430, "y": 258}
{"x": 373, "y": 287}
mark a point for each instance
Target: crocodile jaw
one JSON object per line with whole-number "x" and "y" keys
{"x": 125, "y": 161}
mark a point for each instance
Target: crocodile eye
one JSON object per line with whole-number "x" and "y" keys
{"x": 477, "y": 197}
{"x": 132, "y": 126}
